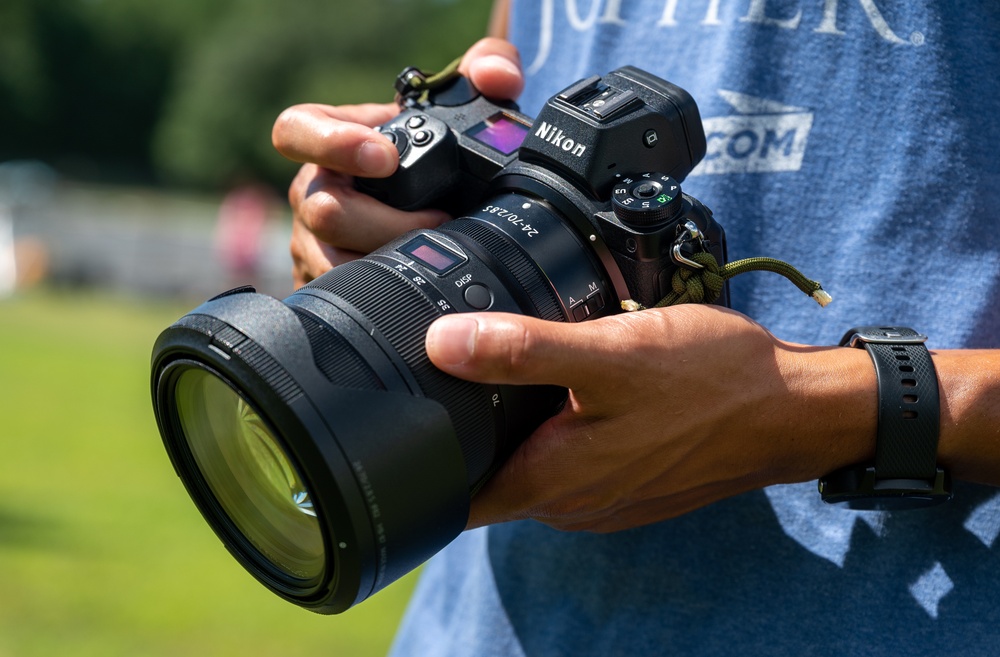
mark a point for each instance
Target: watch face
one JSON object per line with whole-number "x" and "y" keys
{"x": 858, "y": 489}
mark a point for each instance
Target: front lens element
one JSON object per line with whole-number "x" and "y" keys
{"x": 252, "y": 478}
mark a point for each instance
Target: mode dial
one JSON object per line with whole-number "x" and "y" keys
{"x": 646, "y": 199}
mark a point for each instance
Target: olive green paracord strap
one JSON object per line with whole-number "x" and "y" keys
{"x": 705, "y": 285}
{"x": 414, "y": 84}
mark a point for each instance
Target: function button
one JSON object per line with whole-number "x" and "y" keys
{"x": 422, "y": 137}
{"x": 397, "y": 138}
{"x": 415, "y": 122}
{"x": 478, "y": 296}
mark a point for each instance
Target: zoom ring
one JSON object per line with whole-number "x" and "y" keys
{"x": 402, "y": 314}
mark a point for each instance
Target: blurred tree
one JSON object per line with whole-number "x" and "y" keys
{"x": 23, "y": 88}
{"x": 185, "y": 91}
{"x": 82, "y": 81}
{"x": 262, "y": 56}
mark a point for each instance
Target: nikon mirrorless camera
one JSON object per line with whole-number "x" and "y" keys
{"x": 602, "y": 160}
{"x": 315, "y": 436}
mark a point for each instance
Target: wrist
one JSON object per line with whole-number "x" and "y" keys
{"x": 829, "y": 418}
{"x": 905, "y": 473}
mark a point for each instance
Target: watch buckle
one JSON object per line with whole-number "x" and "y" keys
{"x": 889, "y": 338}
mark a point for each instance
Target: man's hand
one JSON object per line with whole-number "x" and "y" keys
{"x": 669, "y": 410}
{"x": 332, "y": 222}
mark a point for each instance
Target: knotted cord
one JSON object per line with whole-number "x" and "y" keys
{"x": 705, "y": 285}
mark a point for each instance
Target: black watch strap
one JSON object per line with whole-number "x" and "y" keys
{"x": 905, "y": 473}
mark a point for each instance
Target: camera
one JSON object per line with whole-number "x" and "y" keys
{"x": 315, "y": 436}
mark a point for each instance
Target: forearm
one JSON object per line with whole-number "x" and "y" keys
{"x": 969, "y": 381}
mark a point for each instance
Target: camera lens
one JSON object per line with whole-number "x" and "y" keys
{"x": 315, "y": 435}
{"x": 249, "y": 473}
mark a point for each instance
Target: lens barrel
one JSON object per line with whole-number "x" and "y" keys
{"x": 315, "y": 436}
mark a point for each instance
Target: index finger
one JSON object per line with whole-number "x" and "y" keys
{"x": 339, "y": 138}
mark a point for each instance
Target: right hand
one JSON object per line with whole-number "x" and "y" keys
{"x": 333, "y": 223}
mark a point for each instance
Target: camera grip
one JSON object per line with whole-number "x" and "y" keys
{"x": 428, "y": 162}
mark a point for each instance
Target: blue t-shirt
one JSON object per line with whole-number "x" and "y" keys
{"x": 856, "y": 139}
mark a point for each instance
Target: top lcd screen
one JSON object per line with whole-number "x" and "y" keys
{"x": 500, "y": 132}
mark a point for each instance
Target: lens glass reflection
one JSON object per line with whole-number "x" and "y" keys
{"x": 249, "y": 473}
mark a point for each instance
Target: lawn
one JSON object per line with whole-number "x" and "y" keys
{"x": 101, "y": 551}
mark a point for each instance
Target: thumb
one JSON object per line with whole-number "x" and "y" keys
{"x": 513, "y": 349}
{"x": 494, "y": 67}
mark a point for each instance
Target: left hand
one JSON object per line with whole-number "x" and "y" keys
{"x": 669, "y": 410}
{"x": 332, "y": 222}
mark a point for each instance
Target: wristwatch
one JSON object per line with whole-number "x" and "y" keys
{"x": 905, "y": 474}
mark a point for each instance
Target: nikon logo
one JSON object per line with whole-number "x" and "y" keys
{"x": 557, "y": 138}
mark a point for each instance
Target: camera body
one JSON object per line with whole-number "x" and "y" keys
{"x": 608, "y": 153}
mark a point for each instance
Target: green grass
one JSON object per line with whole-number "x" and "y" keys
{"x": 101, "y": 551}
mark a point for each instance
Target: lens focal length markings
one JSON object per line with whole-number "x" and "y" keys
{"x": 554, "y": 248}
{"x": 420, "y": 280}
{"x": 513, "y": 218}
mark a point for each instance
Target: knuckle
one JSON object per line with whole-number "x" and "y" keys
{"x": 517, "y": 347}
{"x": 300, "y": 276}
{"x": 298, "y": 253}
{"x": 298, "y": 189}
{"x": 323, "y": 215}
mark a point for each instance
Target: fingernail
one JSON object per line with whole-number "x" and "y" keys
{"x": 452, "y": 340}
{"x": 374, "y": 159}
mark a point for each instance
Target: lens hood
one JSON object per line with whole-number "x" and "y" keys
{"x": 388, "y": 494}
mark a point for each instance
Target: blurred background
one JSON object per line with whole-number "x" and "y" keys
{"x": 137, "y": 178}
